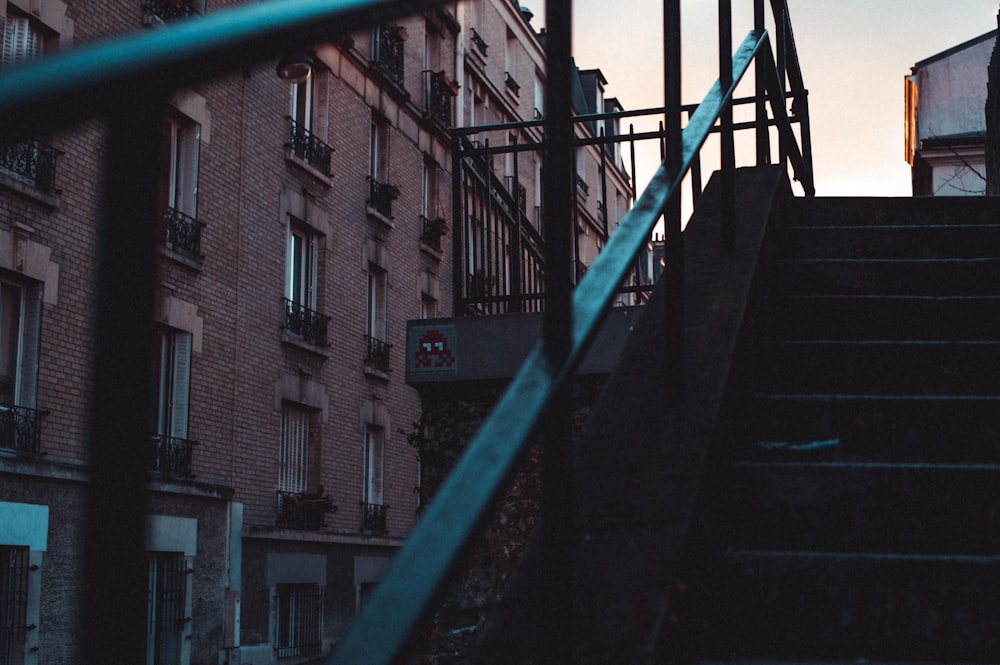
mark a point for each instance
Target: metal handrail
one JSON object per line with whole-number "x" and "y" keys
{"x": 398, "y": 601}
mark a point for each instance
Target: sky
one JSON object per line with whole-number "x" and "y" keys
{"x": 854, "y": 55}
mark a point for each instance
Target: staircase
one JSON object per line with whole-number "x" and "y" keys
{"x": 855, "y": 510}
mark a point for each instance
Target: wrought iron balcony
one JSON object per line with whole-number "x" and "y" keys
{"x": 511, "y": 84}
{"x": 479, "y": 42}
{"x": 381, "y": 196}
{"x": 310, "y": 149}
{"x": 170, "y": 10}
{"x": 377, "y": 357}
{"x": 303, "y": 510}
{"x": 440, "y": 90}
{"x": 32, "y": 162}
{"x": 432, "y": 231}
{"x": 389, "y": 51}
{"x": 171, "y": 457}
{"x": 20, "y": 429}
{"x": 308, "y": 324}
{"x": 181, "y": 233}
{"x": 373, "y": 518}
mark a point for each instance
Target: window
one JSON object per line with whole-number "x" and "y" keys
{"x": 21, "y": 41}
{"x": 172, "y": 380}
{"x": 376, "y": 302}
{"x": 293, "y": 463}
{"x": 373, "y": 509}
{"x": 13, "y": 604}
{"x": 302, "y": 104}
{"x": 388, "y": 51}
{"x": 378, "y": 167}
{"x": 181, "y": 144}
{"x": 428, "y": 306}
{"x": 165, "y": 608}
{"x": 20, "y": 313}
{"x": 308, "y": 124}
{"x": 303, "y": 261}
{"x": 299, "y": 612}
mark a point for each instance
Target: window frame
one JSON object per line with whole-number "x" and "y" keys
{"x": 172, "y": 382}
{"x": 373, "y": 465}
{"x": 377, "y": 303}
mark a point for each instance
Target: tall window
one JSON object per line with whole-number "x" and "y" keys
{"x": 293, "y": 463}
{"x": 303, "y": 260}
{"x": 20, "y": 310}
{"x": 378, "y": 167}
{"x": 430, "y": 190}
{"x": 13, "y": 604}
{"x": 172, "y": 376}
{"x": 374, "y": 462}
{"x": 299, "y": 613}
{"x": 165, "y": 605}
{"x": 179, "y": 185}
{"x": 375, "y": 327}
{"x": 302, "y": 104}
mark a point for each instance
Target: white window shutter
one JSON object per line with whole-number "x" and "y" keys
{"x": 31, "y": 331}
{"x": 294, "y": 450}
{"x": 20, "y": 42}
{"x": 180, "y": 390}
{"x": 313, "y": 268}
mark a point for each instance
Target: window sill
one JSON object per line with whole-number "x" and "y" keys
{"x": 380, "y": 218}
{"x": 299, "y": 343}
{"x": 375, "y": 373}
{"x": 308, "y": 168}
{"x": 46, "y": 199}
{"x": 434, "y": 253}
{"x": 196, "y": 265}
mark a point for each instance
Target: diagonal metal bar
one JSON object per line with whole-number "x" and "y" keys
{"x": 57, "y": 91}
{"x": 385, "y": 622}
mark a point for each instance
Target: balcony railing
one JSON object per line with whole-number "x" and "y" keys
{"x": 380, "y": 197}
{"x": 32, "y": 162}
{"x": 389, "y": 51}
{"x": 377, "y": 357}
{"x": 479, "y": 42}
{"x": 440, "y": 90}
{"x": 303, "y": 510}
{"x": 20, "y": 429}
{"x": 170, "y": 10}
{"x": 310, "y": 149}
{"x": 171, "y": 457}
{"x": 181, "y": 233}
{"x": 432, "y": 230}
{"x": 511, "y": 84}
{"x": 373, "y": 518}
{"x": 308, "y": 324}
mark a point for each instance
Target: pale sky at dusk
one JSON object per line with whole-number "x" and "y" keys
{"x": 854, "y": 55}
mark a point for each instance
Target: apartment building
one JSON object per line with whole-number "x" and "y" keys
{"x": 302, "y": 221}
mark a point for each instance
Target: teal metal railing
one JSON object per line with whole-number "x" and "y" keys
{"x": 42, "y": 97}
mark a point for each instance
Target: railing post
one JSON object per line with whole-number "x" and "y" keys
{"x": 557, "y": 454}
{"x": 115, "y": 563}
{"x": 727, "y": 146}
{"x": 673, "y": 242}
{"x": 760, "y": 82}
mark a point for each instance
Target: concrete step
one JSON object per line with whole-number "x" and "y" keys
{"x": 860, "y": 508}
{"x": 860, "y": 427}
{"x": 921, "y": 277}
{"x": 823, "y": 605}
{"x": 923, "y": 241}
{"x": 876, "y": 367}
{"x": 859, "y": 317}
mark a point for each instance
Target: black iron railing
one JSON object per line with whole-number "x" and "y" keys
{"x": 380, "y": 197}
{"x": 171, "y": 457}
{"x": 432, "y": 230}
{"x": 389, "y": 40}
{"x": 20, "y": 429}
{"x": 373, "y": 518}
{"x": 479, "y": 42}
{"x": 377, "y": 354}
{"x": 170, "y": 10}
{"x": 310, "y": 149}
{"x": 181, "y": 233}
{"x": 32, "y": 162}
{"x": 440, "y": 91}
{"x": 511, "y": 84}
{"x": 299, "y": 614}
{"x": 303, "y": 510}
{"x": 305, "y": 323}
